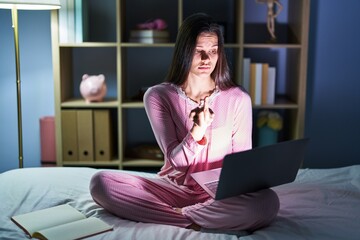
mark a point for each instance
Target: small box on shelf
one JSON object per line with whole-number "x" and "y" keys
{"x": 149, "y": 36}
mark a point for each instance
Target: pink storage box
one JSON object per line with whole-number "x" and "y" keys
{"x": 47, "y": 139}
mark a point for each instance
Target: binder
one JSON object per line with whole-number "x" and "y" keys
{"x": 102, "y": 133}
{"x": 69, "y": 135}
{"x": 85, "y": 135}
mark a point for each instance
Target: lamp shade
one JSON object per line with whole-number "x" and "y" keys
{"x": 30, "y": 4}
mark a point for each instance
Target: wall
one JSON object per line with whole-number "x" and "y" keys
{"x": 333, "y": 85}
{"x": 37, "y": 85}
{"x": 333, "y": 93}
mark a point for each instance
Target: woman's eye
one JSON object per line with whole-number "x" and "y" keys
{"x": 211, "y": 52}
{"x": 214, "y": 51}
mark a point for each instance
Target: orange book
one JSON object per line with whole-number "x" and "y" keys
{"x": 255, "y": 82}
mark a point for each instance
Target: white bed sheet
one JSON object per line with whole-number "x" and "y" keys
{"x": 320, "y": 204}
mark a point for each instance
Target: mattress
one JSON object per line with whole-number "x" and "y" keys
{"x": 319, "y": 204}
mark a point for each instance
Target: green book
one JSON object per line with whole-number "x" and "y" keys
{"x": 60, "y": 222}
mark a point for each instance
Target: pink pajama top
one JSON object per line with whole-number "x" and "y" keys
{"x": 168, "y": 110}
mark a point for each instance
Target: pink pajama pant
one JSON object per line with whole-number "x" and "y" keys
{"x": 154, "y": 200}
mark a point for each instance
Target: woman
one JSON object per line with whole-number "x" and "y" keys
{"x": 198, "y": 116}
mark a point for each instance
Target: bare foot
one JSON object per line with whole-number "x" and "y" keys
{"x": 194, "y": 227}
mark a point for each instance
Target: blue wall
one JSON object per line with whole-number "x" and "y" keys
{"x": 37, "y": 85}
{"x": 332, "y": 117}
{"x": 333, "y": 95}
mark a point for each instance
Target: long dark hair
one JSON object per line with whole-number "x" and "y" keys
{"x": 185, "y": 47}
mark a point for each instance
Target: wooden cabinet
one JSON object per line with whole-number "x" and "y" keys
{"x": 131, "y": 67}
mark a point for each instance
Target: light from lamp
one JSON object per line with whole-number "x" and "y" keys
{"x": 30, "y": 4}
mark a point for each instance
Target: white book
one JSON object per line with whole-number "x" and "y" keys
{"x": 63, "y": 26}
{"x": 246, "y": 74}
{"x": 271, "y": 85}
{"x": 255, "y": 83}
{"x": 60, "y": 222}
{"x": 264, "y": 82}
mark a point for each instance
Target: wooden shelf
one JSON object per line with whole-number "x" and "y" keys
{"x": 80, "y": 103}
{"x": 132, "y": 105}
{"x": 108, "y": 51}
{"x": 273, "y": 45}
{"x": 130, "y": 44}
{"x": 88, "y": 44}
{"x": 114, "y": 163}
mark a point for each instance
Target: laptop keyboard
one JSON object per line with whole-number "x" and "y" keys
{"x": 212, "y": 186}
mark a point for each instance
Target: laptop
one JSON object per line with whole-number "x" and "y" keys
{"x": 254, "y": 169}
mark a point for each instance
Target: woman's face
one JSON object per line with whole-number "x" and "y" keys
{"x": 205, "y": 56}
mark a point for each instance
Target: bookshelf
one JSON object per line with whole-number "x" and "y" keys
{"x": 131, "y": 67}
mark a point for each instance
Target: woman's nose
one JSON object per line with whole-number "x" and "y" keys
{"x": 204, "y": 55}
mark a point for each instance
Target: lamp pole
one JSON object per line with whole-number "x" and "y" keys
{"x": 14, "y": 15}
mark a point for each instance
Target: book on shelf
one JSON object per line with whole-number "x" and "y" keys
{"x": 73, "y": 21}
{"x": 264, "y": 82}
{"x": 60, "y": 222}
{"x": 63, "y": 27}
{"x": 81, "y": 21}
{"x": 246, "y": 74}
{"x": 271, "y": 85}
{"x": 255, "y": 82}
{"x": 67, "y": 21}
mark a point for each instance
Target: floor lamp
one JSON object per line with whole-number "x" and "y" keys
{"x": 14, "y": 6}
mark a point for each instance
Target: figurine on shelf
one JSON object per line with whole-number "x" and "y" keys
{"x": 93, "y": 88}
{"x": 272, "y": 13}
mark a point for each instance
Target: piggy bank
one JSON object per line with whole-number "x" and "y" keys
{"x": 93, "y": 88}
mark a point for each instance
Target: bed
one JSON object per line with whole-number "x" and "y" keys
{"x": 319, "y": 204}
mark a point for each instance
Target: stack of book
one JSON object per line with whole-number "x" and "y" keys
{"x": 73, "y": 21}
{"x": 259, "y": 80}
{"x": 149, "y": 36}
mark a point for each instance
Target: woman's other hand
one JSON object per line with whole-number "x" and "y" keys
{"x": 202, "y": 116}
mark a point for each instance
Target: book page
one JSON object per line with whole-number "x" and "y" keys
{"x": 74, "y": 230}
{"x": 45, "y": 218}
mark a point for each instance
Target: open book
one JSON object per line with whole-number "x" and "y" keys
{"x": 60, "y": 222}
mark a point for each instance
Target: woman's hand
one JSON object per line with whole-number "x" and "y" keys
{"x": 202, "y": 116}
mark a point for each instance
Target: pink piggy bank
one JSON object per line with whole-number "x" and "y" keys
{"x": 93, "y": 88}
